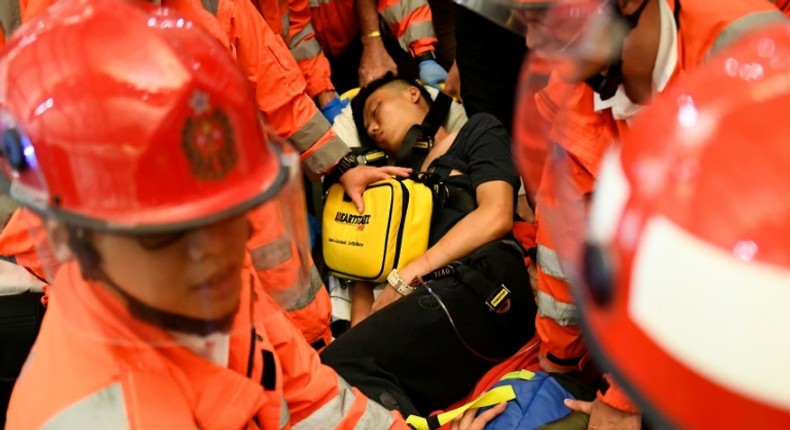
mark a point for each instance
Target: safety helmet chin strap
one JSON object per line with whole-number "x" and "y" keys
{"x": 168, "y": 320}
{"x": 607, "y": 82}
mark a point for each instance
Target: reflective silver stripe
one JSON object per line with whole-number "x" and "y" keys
{"x": 375, "y": 417}
{"x": 10, "y": 15}
{"x": 741, "y": 26}
{"x": 416, "y": 31}
{"x": 286, "y": 23}
{"x": 395, "y": 13}
{"x": 317, "y": 3}
{"x": 308, "y": 295}
{"x": 298, "y": 37}
{"x": 334, "y": 411}
{"x": 320, "y": 161}
{"x": 311, "y": 132}
{"x": 306, "y": 50}
{"x": 210, "y": 5}
{"x": 271, "y": 254}
{"x": 285, "y": 414}
{"x": 562, "y": 313}
{"x": 102, "y": 410}
{"x": 549, "y": 263}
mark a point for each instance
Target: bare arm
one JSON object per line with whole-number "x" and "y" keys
{"x": 492, "y": 219}
{"x": 375, "y": 61}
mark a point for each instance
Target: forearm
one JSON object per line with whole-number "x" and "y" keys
{"x": 481, "y": 226}
{"x": 368, "y": 16}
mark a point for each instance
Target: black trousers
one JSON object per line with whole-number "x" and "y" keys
{"x": 409, "y": 357}
{"x": 20, "y": 320}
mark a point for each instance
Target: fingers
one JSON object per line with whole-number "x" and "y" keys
{"x": 471, "y": 422}
{"x": 396, "y": 171}
{"x": 578, "y": 405}
{"x": 356, "y": 198}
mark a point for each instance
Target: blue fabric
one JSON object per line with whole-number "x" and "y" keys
{"x": 538, "y": 401}
{"x": 431, "y": 73}
{"x": 315, "y": 229}
{"x": 332, "y": 109}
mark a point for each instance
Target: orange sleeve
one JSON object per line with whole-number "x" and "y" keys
{"x": 21, "y": 239}
{"x": 279, "y": 87}
{"x": 306, "y": 50}
{"x": 411, "y": 22}
{"x": 29, "y": 9}
{"x": 615, "y": 396}
{"x": 315, "y": 394}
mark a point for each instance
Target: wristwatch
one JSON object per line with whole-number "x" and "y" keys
{"x": 346, "y": 163}
{"x": 427, "y": 55}
{"x": 396, "y": 281}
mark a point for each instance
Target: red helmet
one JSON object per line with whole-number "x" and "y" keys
{"x": 687, "y": 261}
{"x": 90, "y": 127}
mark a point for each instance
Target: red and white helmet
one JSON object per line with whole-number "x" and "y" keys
{"x": 92, "y": 124}
{"x": 686, "y": 269}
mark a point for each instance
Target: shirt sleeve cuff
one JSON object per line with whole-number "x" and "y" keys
{"x": 614, "y": 396}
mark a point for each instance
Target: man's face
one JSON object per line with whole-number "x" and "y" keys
{"x": 196, "y": 273}
{"x": 576, "y": 36}
{"x": 389, "y": 113}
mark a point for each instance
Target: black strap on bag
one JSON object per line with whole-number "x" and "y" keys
{"x": 495, "y": 296}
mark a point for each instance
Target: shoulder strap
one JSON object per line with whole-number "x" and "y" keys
{"x": 420, "y": 138}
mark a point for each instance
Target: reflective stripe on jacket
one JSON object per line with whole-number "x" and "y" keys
{"x": 277, "y": 263}
{"x": 583, "y": 135}
{"x": 96, "y": 367}
{"x": 291, "y": 19}
{"x": 410, "y": 21}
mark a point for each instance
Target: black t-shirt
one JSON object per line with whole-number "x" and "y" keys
{"x": 481, "y": 151}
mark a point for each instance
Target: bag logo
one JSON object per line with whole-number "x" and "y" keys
{"x": 359, "y": 220}
{"x": 207, "y": 140}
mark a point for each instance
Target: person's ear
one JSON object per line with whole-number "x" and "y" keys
{"x": 629, "y": 7}
{"x": 414, "y": 95}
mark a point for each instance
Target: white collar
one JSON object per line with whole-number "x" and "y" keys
{"x": 666, "y": 62}
{"x": 213, "y": 347}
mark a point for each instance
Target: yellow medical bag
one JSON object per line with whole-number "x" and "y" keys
{"x": 391, "y": 232}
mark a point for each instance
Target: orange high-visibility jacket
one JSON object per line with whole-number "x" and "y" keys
{"x": 410, "y": 21}
{"x": 291, "y": 19}
{"x": 94, "y": 365}
{"x": 280, "y": 93}
{"x": 266, "y": 61}
{"x": 583, "y": 136}
{"x": 277, "y": 263}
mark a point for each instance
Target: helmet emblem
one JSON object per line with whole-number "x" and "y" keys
{"x": 207, "y": 140}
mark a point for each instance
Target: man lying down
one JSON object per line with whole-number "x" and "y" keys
{"x": 423, "y": 351}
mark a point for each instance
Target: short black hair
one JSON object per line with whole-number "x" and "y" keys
{"x": 358, "y": 103}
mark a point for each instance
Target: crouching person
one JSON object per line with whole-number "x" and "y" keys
{"x": 424, "y": 351}
{"x": 141, "y": 145}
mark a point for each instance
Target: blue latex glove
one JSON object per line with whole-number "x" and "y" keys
{"x": 431, "y": 73}
{"x": 333, "y": 108}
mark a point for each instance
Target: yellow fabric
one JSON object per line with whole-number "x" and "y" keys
{"x": 368, "y": 246}
{"x": 503, "y": 393}
{"x": 492, "y": 397}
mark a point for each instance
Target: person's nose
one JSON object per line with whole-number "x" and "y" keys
{"x": 208, "y": 241}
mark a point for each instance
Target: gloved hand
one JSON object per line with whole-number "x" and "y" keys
{"x": 333, "y": 108}
{"x": 431, "y": 73}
